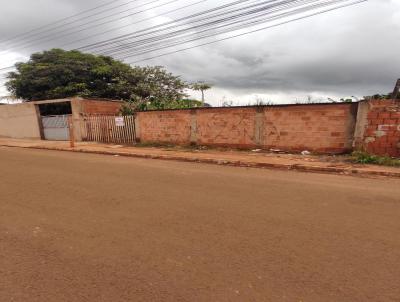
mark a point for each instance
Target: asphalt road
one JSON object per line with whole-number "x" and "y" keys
{"x": 79, "y": 227}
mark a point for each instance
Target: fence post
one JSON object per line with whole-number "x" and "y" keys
{"x": 193, "y": 127}
{"x": 136, "y": 125}
{"x": 71, "y": 132}
{"x": 259, "y": 125}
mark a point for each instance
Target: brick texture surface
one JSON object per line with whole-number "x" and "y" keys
{"x": 94, "y": 107}
{"x": 165, "y": 126}
{"x": 226, "y": 127}
{"x": 314, "y": 127}
{"x": 382, "y": 133}
{"x": 319, "y": 128}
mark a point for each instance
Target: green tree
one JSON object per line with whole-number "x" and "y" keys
{"x": 130, "y": 107}
{"x": 201, "y": 86}
{"x": 60, "y": 74}
{"x": 378, "y": 96}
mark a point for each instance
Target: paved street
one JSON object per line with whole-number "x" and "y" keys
{"x": 84, "y": 227}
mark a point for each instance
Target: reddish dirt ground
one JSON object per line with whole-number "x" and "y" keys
{"x": 80, "y": 227}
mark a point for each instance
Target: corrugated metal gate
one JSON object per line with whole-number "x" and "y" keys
{"x": 55, "y": 127}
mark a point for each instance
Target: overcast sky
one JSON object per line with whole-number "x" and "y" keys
{"x": 352, "y": 51}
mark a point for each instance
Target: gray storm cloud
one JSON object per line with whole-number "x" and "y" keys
{"x": 353, "y": 51}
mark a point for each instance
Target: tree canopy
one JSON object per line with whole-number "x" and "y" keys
{"x": 201, "y": 86}
{"x": 61, "y": 74}
{"x": 378, "y": 96}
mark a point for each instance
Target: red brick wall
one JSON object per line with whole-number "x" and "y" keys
{"x": 165, "y": 126}
{"x": 101, "y": 107}
{"x": 319, "y": 128}
{"x": 382, "y": 133}
{"x": 226, "y": 127}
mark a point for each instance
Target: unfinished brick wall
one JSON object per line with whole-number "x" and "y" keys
{"x": 100, "y": 107}
{"x": 165, "y": 126}
{"x": 381, "y": 130}
{"x": 373, "y": 126}
{"x": 233, "y": 127}
{"x": 319, "y": 128}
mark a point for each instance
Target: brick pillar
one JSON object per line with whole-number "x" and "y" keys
{"x": 361, "y": 125}
{"x": 137, "y": 126}
{"x": 77, "y": 112}
{"x": 193, "y": 127}
{"x": 259, "y": 127}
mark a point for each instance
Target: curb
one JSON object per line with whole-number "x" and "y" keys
{"x": 232, "y": 163}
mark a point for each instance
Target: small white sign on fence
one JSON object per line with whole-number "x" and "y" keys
{"x": 119, "y": 122}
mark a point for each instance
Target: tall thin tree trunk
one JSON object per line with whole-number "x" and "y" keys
{"x": 202, "y": 98}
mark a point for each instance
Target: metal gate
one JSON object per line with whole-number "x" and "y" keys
{"x": 55, "y": 127}
{"x": 109, "y": 129}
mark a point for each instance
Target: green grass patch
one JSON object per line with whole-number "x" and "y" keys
{"x": 362, "y": 157}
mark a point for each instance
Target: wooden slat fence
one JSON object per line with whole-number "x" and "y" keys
{"x": 106, "y": 129}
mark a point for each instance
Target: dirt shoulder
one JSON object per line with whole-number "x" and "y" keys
{"x": 255, "y": 158}
{"x": 78, "y": 227}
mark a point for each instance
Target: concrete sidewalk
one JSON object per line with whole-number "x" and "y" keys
{"x": 307, "y": 163}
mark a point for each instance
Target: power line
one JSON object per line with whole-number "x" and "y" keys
{"x": 8, "y": 67}
{"x": 251, "y": 15}
{"x": 75, "y": 21}
{"x": 26, "y": 44}
{"x": 160, "y": 38}
{"x": 154, "y": 48}
{"x": 68, "y": 32}
{"x": 247, "y": 33}
{"x": 58, "y": 21}
{"x": 179, "y": 42}
{"x": 134, "y": 23}
{"x": 225, "y": 16}
{"x": 159, "y": 26}
{"x": 193, "y": 15}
